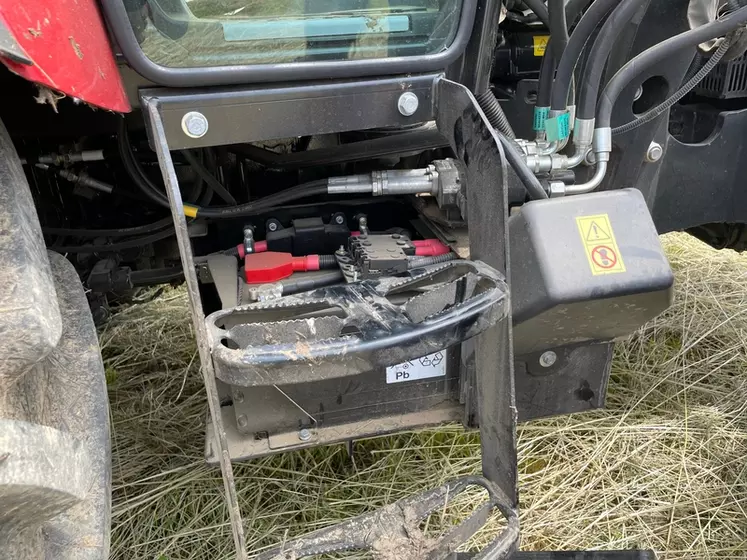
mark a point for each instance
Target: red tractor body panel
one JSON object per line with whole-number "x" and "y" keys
{"x": 69, "y": 50}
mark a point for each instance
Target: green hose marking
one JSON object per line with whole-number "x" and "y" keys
{"x": 558, "y": 128}
{"x": 540, "y": 116}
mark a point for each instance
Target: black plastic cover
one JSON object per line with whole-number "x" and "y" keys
{"x": 585, "y": 268}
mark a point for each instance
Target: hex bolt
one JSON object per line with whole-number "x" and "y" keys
{"x": 242, "y": 421}
{"x": 654, "y": 152}
{"x": 363, "y": 225}
{"x": 195, "y": 124}
{"x": 548, "y": 359}
{"x": 239, "y": 397}
{"x": 407, "y": 104}
{"x": 248, "y": 240}
{"x": 272, "y": 226}
{"x": 304, "y": 434}
{"x": 339, "y": 219}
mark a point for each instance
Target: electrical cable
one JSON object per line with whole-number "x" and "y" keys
{"x": 418, "y": 262}
{"x": 194, "y": 194}
{"x": 114, "y": 247}
{"x": 659, "y": 52}
{"x": 570, "y": 57}
{"x": 115, "y": 232}
{"x": 155, "y": 276}
{"x": 208, "y": 177}
{"x": 300, "y": 283}
{"x": 680, "y": 93}
{"x": 591, "y": 78}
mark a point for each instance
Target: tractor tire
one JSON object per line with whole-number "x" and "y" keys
{"x": 55, "y": 459}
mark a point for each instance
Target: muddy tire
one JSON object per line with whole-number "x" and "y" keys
{"x": 55, "y": 461}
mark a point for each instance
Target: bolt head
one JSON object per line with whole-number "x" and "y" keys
{"x": 339, "y": 219}
{"x": 194, "y": 124}
{"x": 272, "y": 226}
{"x": 408, "y": 103}
{"x": 654, "y": 152}
{"x": 242, "y": 421}
{"x": 239, "y": 397}
{"x": 548, "y": 359}
{"x": 304, "y": 435}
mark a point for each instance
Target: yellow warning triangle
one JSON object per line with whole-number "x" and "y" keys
{"x": 596, "y": 232}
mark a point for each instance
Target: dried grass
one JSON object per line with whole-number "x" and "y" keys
{"x": 664, "y": 467}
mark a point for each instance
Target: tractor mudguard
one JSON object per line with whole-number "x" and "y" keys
{"x": 62, "y": 45}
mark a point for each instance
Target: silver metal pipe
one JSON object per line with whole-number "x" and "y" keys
{"x": 579, "y": 155}
{"x": 590, "y": 185}
{"x": 548, "y": 148}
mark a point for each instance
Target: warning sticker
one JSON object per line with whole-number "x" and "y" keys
{"x": 600, "y": 244}
{"x": 540, "y": 44}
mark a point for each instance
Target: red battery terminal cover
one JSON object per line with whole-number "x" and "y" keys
{"x": 261, "y": 268}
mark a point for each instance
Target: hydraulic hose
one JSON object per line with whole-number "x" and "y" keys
{"x": 680, "y": 93}
{"x": 539, "y": 9}
{"x": 208, "y": 177}
{"x": 558, "y": 24}
{"x": 546, "y": 75}
{"x": 304, "y": 190}
{"x": 659, "y": 52}
{"x": 585, "y": 27}
{"x": 134, "y": 169}
{"x": 591, "y": 78}
{"x": 493, "y": 110}
{"x": 553, "y": 53}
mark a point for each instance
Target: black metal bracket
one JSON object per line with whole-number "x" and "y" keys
{"x": 489, "y": 362}
{"x": 236, "y": 115}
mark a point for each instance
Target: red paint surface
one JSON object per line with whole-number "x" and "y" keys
{"x": 68, "y": 43}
